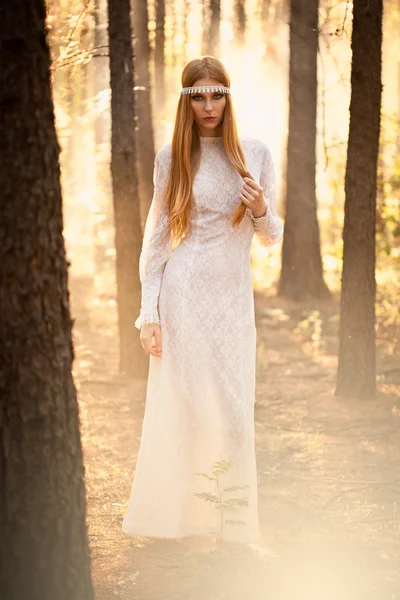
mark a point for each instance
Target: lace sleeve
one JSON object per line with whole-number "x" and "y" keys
{"x": 269, "y": 228}
{"x": 156, "y": 245}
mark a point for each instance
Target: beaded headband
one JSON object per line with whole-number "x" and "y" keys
{"x": 198, "y": 89}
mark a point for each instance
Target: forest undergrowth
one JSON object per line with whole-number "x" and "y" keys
{"x": 328, "y": 472}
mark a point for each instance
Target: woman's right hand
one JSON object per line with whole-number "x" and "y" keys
{"x": 149, "y": 331}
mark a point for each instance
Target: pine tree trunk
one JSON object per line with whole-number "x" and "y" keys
{"x": 301, "y": 275}
{"x": 128, "y": 238}
{"x": 211, "y": 33}
{"x": 215, "y": 7}
{"x": 240, "y": 22}
{"x": 44, "y": 550}
{"x": 101, "y": 71}
{"x": 144, "y": 123}
{"x": 398, "y": 118}
{"x": 356, "y": 370}
{"x": 159, "y": 58}
{"x": 64, "y": 87}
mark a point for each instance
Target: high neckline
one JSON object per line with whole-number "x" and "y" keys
{"x": 210, "y": 138}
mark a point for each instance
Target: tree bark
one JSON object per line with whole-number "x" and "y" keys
{"x": 128, "y": 237}
{"x": 356, "y": 369}
{"x": 44, "y": 551}
{"x": 211, "y": 33}
{"x": 301, "y": 276}
{"x": 240, "y": 21}
{"x": 215, "y": 7}
{"x": 398, "y": 118}
{"x": 144, "y": 123}
{"x": 101, "y": 71}
{"x": 159, "y": 58}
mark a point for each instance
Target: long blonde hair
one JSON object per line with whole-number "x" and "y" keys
{"x": 186, "y": 147}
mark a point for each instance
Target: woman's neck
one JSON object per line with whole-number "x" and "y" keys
{"x": 209, "y": 133}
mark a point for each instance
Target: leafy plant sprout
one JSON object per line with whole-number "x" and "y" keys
{"x": 219, "y": 500}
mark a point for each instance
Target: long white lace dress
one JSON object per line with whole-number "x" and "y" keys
{"x": 200, "y": 393}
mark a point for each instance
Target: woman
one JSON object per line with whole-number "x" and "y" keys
{"x": 213, "y": 191}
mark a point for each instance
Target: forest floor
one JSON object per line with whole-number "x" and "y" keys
{"x": 328, "y": 471}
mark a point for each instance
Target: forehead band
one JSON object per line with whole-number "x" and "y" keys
{"x": 198, "y": 89}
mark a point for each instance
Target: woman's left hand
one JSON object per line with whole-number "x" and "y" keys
{"x": 252, "y": 196}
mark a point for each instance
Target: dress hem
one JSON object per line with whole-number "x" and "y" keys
{"x": 150, "y": 531}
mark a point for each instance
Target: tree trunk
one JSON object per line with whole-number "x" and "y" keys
{"x": 356, "y": 370}
{"x": 240, "y": 21}
{"x": 301, "y": 275}
{"x": 44, "y": 552}
{"x": 128, "y": 238}
{"x": 215, "y": 7}
{"x": 211, "y": 34}
{"x": 144, "y": 124}
{"x": 101, "y": 71}
{"x": 159, "y": 59}
{"x": 398, "y": 118}
{"x": 63, "y": 91}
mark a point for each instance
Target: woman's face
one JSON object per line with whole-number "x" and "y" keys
{"x": 208, "y": 104}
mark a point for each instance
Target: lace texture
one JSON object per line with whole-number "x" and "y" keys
{"x": 200, "y": 393}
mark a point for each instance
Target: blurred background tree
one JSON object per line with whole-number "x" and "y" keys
{"x": 124, "y": 169}
{"x": 357, "y": 363}
{"x": 301, "y": 274}
{"x": 144, "y": 135}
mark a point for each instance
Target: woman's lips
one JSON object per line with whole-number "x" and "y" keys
{"x": 210, "y": 118}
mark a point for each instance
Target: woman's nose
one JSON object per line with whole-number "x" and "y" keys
{"x": 209, "y": 104}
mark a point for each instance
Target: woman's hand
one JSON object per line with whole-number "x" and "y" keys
{"x": 252, "y": 196}
{"x": 149, "y": 331}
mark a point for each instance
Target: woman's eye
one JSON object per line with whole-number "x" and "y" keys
{"x": 215, "y": 97}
